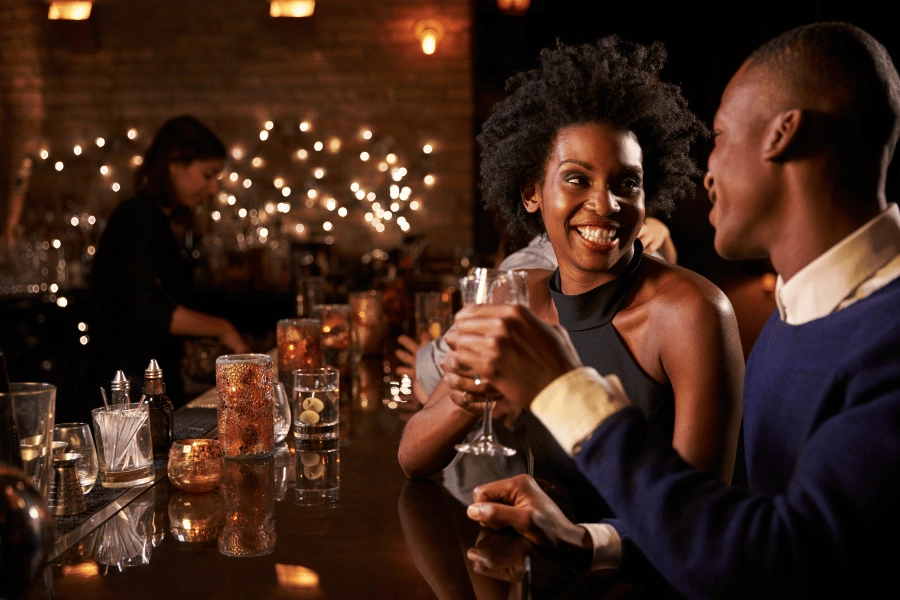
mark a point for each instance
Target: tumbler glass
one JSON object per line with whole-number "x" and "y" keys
{"x": 316, "y": 403}
{"x": 78, "y": 439}
{"x": 124, "y": 446}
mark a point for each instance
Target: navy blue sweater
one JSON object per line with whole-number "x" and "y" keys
{"x": 822, "y": 439}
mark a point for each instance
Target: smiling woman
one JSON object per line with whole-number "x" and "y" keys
{"x": 583, "y": 146}
{"x": 141, "y": 282}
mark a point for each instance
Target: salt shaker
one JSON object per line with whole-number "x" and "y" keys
{"x": 121, "y": 389}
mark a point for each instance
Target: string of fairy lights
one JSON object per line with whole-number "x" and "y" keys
{"x": 362, "y": 172}
{"x": 291, "y": 181}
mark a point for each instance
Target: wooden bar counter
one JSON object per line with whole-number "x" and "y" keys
{"x": 354, "y": 549}
{"x": 386, "y": 537}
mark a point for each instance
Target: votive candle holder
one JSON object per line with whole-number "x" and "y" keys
{"x": 299, "y": 347}
{"x": 196, "y": 465}
{"x": 245, "y": 405}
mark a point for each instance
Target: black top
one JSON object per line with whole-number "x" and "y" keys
{"x": 139, "y": 275}
{"x": 588, "y": 319}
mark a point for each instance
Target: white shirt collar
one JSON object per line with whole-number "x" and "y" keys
{"x": 819, "y": 288}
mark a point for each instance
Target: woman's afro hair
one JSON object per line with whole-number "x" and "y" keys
{"x": 608, "y": 81}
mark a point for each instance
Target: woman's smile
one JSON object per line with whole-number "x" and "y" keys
{"x": 591, "y": 200}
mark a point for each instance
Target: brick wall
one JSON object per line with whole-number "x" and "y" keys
{"x": 353, "y": 66}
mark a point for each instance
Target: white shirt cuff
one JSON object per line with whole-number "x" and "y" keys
{"x": 575, "y": 404}
{"x": 607, "y": 546}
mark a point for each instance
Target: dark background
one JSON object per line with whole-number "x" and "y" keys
{"x": 706, "y": 43}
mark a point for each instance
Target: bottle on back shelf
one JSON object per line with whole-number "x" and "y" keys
{"x": 162, "y": 412}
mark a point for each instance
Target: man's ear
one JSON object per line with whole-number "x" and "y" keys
{"x": 782, "y": 134}
{"x": 530, "y": 198}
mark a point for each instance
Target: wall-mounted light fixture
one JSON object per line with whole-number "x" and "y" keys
{"x": 69, "y": 10}
{"x": 292, "y": 8}
{"x": 429, "y": 32}
{"x": 515, "y": 8}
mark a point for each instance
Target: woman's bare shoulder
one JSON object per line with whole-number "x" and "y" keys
{"x": 683, "y": 292}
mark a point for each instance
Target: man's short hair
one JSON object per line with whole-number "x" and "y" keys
{"x": 844, "y": 69}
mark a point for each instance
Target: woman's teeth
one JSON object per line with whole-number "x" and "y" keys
{"x": 596, "y": 234}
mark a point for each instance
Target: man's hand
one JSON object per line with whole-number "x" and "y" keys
{"x": 500, "y": 554}
{"x": 510, "y": 349}
{"x": 521, "y": 504}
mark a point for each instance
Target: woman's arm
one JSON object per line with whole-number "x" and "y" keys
{"x": 428, "y": 438}
{"x": 186, "y": 321}
{"x": 701, "y": 354}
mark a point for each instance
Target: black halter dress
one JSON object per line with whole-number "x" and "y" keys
{"x": 588, "y": 319}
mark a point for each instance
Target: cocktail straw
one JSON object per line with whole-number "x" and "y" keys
{"x": 103, "y": 393}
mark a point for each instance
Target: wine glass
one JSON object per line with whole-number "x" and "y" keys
{"x": 491, "y": 286}
{"x": 79, "y": 439}
{"x": 282, "y": 413}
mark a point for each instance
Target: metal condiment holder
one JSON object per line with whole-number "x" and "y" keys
{"x": 66, "y": 496}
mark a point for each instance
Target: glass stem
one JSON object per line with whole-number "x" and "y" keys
{"x": 488, "y": 427}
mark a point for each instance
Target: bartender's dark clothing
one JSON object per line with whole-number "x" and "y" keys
{"x": 139, "y": 276}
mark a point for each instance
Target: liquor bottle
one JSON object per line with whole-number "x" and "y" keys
{"x": 10, "y": 451}
{"x": 162, "y": 412}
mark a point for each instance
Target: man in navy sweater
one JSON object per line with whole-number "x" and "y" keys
{"x": 804, "y": 135}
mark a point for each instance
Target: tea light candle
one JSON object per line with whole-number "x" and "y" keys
{"x": 196, "y": 465}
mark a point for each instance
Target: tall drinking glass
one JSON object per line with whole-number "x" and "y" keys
{"x": 490, "y": 286}
{"x": 34, "y": 406}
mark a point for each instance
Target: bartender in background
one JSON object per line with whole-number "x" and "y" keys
{"x": 141, "y": 279}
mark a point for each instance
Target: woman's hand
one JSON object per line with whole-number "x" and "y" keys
{"x": 655, "y": 237}
{"x": 406, "y": 353}
{"x": 464, "y": 392}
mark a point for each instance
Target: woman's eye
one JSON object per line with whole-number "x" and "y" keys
{"x": 632, "y": 183}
